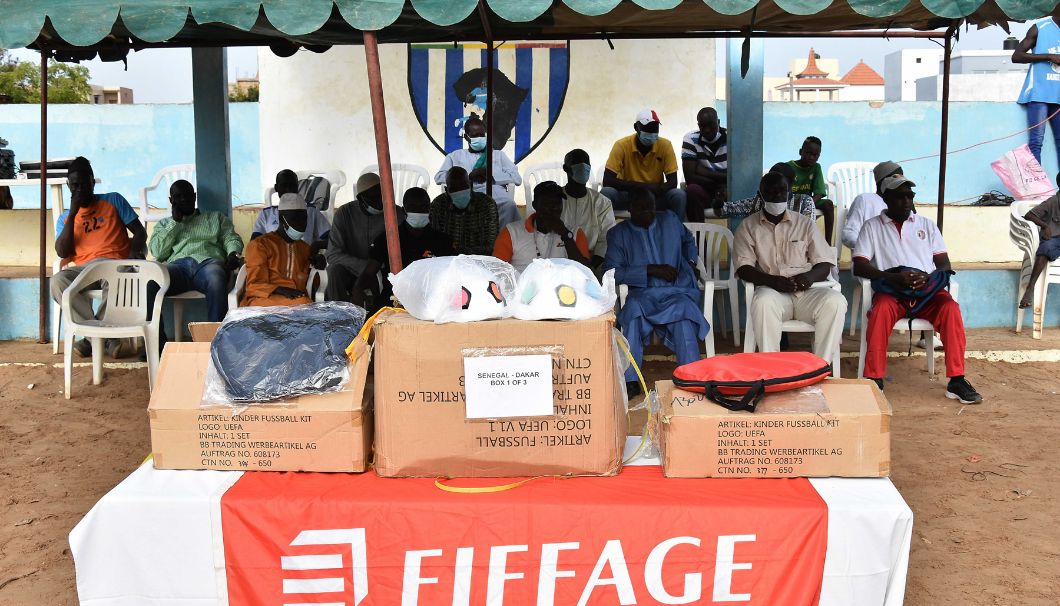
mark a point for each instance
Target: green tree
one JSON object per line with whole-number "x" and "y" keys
{"x": 238, "y": 95}
{"x": 21, "y": 81}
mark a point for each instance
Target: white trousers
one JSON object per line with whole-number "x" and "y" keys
{"x": 822, "y": 308}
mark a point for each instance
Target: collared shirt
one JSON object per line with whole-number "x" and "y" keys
{"x": 629, "y": 164}
{"x": 594, "y": 214}
{"x": 864, "y": 207}
{"x": 99, "y": 230}
{"x": 886, "y": 244}
{"x": 473, "y": 229}
{"x": 787, "y": 249}
{"x": 505, "y": 172}
{"x": 1048, "y": 212}
{"x": 520, "y": 243}
{"x": 201, "y": 236}
{"x": 801, "y": 203}
{"x": 712, "y": 156}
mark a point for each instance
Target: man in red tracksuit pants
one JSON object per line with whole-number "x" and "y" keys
{"x": 900, "y": 237}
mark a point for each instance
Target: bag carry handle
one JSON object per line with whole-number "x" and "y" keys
{"x": 749, "y": 401}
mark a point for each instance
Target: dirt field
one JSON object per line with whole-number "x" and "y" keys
{"x": 981, "y": 480}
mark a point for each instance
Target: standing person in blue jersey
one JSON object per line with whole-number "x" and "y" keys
{"x": 655, "y": 255}
{"x": 1041, "y": 89}
{"x": 473, "y": 160}
{"x": 705, "y": 161}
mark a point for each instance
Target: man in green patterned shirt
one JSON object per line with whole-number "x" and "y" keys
{"x": 199, "y": 249}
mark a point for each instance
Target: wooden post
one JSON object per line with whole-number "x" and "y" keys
{"x": 382, "y": 150}
{"x": 489, "y": 117}
{"x": 945, "y": 124}
{"x": 44, "y": 294}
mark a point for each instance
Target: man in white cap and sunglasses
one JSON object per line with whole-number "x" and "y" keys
{"x": 644, "y": 159}
{"x": 278, "y": 262}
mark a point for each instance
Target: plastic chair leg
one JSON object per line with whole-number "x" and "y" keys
{"x": 97, "y": 360}
{"x": 855, "y": 302}
{"x": 1040, "y": 289}
{"x": 721, "y": 318}
{"x": 836, "y": 359}
{"x": 178, "y": 319}
{"x": 68, "y": 358}
{"x": 57, "y": 318}
{"x": 734, "y": 303}
{"x": 864, "y": 349}
{"x": 929, "y": 346}
{"x": 151, "y": 346}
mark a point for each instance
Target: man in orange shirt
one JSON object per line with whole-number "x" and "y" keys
{"x": 543, "y": 235}
{"x": 278, "y": 262}
{"x": 96, "y": 227}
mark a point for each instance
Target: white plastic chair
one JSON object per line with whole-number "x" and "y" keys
{"x": 169, "y": 174}
{"x": 406, "y": 176}
{"x": 241, "y": 282}
{"x": 237, "y": 288}
{"x": 1024, "y": 235}
{"x": 901, "y": 324}
{"x": 788, "y": 326}
{"x": 539, "y": 173}
{"x": 709, "y": 238}
{"x": 125, "y": 316}
{"x": 336, "y": 181}
{"x": 846, "y": 181}
{"x": 57, "y": 308}
{"x": 598, "y": 185}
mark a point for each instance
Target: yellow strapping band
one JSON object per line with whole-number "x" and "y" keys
{"x": 368, "y": 327}
{"x": 438, "y": 483}
{"x": 644, "y": 388}
{"x": 149, "y": 457}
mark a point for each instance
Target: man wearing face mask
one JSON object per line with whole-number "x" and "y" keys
{"x": 418, "y": 241}
{"x": 317, "y": 228}
{"x": 644, "y": 159}
{"x": 543, "y": 235}
{"x": 466, "y": 216}
{"x": 586, "y": 208}
{"x": 473, "y": 160}
{"x": 278, "y": 262}
{"x": 200, "y": 250}
{"x": 704, "y": 158}
{"x": 783, "y": 254}
{"x": 357, "y": 225}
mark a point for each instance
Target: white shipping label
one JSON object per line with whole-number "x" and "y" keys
{"x": 508, "y": 386}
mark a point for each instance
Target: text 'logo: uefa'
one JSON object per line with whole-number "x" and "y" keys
{"x": 447, "y": 84}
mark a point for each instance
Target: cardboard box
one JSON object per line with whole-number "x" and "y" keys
{"x": 324, "y": 432}
{"x": 421, "y": 425}
{"x": 203, "y": 332}
{"x": 848, "y": 434}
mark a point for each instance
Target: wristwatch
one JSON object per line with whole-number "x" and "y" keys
{"x": 569, "y": 236}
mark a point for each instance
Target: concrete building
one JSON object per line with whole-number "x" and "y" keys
{"x": 111, "y": 95}
{"x": 242, "y": 85}
{"x": 811, "y": 84}
{"x": 984, "y": 62}
{"x": 901, "y": 70}
{"x": 977, "y": 75}
{"x": 863, "y": 84}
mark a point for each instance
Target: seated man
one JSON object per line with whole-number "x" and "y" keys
{"x": 1047, "y": 217}
{"x": 809, "y": 179}
{"x": 357, "y": 225}
{"x": 543, "y": 235}
{"x": 655, "y": 255}
{"x": 278, "y": 262}
{"x": 466, "y": 216}
{"x": 200, "y": 250}
{"x": 799, "y": 203}
{"x": 473, "y": 160}
{"x": 644, "y": 159}
{"x": 586, "y": 208}
{"x": 901, "y": 238}
{"x": 96, "y": 227}
{"x": 704, "y": 158}
{"x": 316, "y": 233}
{"x": 783, "y": 253}
{"x": 868, "y": 205}
{"x": 418, "y": 241}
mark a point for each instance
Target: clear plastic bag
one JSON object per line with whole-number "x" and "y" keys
{"x": 264, "y": 354}
{"x": 561, "y": 289}
{"x": 465, "y": 288}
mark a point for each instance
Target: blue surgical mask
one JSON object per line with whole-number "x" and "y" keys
{"x": 418, "y": 220}
{"x": 292, "y": 233}
{"x": 477, "y": 144}
{"x": 648, "y": 139}
{"x": 460, "y": 198}
{"x": 581, "y": 173}
{"x": 368, "y": 208}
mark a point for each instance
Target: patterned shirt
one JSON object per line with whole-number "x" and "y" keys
{"x": 712, "y": 156}
{"x": 474, "y": 230}
{"x": 99, "y": 230}
{"x": 201, "y": 236}
{"x": 748, "y": 206}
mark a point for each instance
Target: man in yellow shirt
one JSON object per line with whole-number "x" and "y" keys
{"x": 644, "y": 159}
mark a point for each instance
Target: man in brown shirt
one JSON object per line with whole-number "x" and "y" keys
{"x": 783, "y": 254}
{"x": 1047, "y": 217}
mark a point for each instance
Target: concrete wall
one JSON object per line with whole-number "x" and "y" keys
{"x": 973, "y": 87}
{"x": 874, "y": 92}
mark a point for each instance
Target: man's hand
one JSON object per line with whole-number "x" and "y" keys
{"x": 478, "y": 175}
{"x": 596, "y": 260}
{"x": 695, "y": 270}
{"x": 1046, "y": 233}
{"x": 319, "y": 261}
{"x": 357, "y": 297}
{"x": 177, "y": 215}
{"x": 912, "y": 279}
{"x": 231, "y": 262}
{"x": 663, "y": 272}
{"x": 1054, "y": 59}
{"x": 290, "y": 293}
{"x": 782, "y": 284}
{"x": 802, "y": 282}
{"x": 137, "y": 254}
{"x": 551, "y": 225}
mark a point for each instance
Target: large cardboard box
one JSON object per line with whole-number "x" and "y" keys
{"x": 422, "y": 429}
{"x": 848, "y": 434}
{"x": 324, "y": 432}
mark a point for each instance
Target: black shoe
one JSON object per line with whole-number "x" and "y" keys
{"x": 879, "y": 383}
{"x": 633, "y": 389}
{"x": 960, "y": 389}
{"x": 784, "y": 345}
{"x": 115, "y": 348}
{"x": 83, "y": 348}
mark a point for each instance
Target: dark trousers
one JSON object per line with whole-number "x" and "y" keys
{"x": 340, "y": 283}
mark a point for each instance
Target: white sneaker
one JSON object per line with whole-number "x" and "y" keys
{"x": 923, "y": 345}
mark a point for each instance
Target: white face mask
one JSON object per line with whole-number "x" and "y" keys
{"x": 775, "y": 208}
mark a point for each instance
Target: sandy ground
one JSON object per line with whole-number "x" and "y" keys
{"x": 981, "y": 480}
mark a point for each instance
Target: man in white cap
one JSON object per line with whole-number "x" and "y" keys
{"x": 867, "y": 205}
{"x": 644, "y": 159}
{"x": 317, "y": 226}
{"x": 356, "y": 226}
{"x": 278, "y": 262}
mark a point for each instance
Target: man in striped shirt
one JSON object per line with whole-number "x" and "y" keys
{"x": 200, "y": 250}
{"x": 705, "y": 162}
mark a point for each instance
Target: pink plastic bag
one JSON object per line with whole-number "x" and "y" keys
{"x": 1022, "y": 174}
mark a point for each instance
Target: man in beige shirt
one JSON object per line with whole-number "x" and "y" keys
{"x": 783, "y": 254}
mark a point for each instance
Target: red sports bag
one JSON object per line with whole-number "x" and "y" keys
{"x": 750, "y": 375}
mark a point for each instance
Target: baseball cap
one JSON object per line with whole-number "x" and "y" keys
{"x": 549, "y": 189}
{"x": 895, "y": 182}
{"x": 367, "y": 181}
{"x": 885, "y": 169}
{"x": 648, "y": 116}
{"x": 292, "y": 202}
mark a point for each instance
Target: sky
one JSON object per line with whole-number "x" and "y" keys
{"x": 164, "y": 75}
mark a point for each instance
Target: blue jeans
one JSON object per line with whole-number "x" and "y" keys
{"x": 673, "y": 200}
{"x": 1038, "y": 112}
{"x": 209, "y": 277}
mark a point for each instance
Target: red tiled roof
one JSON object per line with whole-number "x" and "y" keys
{"x": 811, "y": 67}
{"x": 862, "y": 75}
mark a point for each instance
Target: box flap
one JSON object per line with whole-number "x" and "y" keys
{"x": 844, "y": 396}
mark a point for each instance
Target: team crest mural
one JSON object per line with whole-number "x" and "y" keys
{"x": 447, "y": 84}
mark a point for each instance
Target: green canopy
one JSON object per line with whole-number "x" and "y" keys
{"x": 84, "y": 23}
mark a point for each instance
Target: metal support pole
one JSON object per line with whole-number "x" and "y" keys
{"x": 44, "y": 54}
{"x": 382, "y": 150}
{"x": 945, "y": 124}
{"x": 489, "y": 118}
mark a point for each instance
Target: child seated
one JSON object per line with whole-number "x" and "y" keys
{"x": 809, "y": 179}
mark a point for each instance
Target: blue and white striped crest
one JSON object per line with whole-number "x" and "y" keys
{"x": 447, "y": 83}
